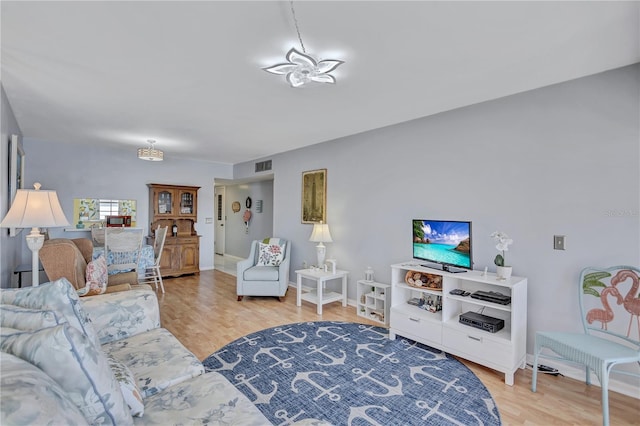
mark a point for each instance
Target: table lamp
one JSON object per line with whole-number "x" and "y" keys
{"x": 33, "y": 208}
{"x": 320, "y": 234}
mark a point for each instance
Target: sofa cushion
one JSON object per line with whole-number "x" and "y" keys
{"x": 128, "y": 386}
{"x": 78, "y": 366}
{"x": 206, "y": 399}
{"x": 261, "y": 273}
{"x": 26, "y": 319}
{"x": 157, "y": 359}
{"x": 58, "y": 296}
{"x": 31, "y": 397}
{"x": 270, "y": 254}
{"x": 120, "y": 315}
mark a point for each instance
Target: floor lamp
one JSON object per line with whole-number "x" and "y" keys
{"x": 321, "y": 234}
{"x": 33, "y": 208}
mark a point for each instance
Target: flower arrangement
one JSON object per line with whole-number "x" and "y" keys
{"x": 503, "y": 241}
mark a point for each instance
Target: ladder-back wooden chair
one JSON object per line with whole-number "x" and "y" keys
{"x": 122, "y": 248}
{"x": 152, "y": 274}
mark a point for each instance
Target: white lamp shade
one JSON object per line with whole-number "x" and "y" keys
{"x": 321, "y": 233}
{"x": 150, "y": 154}
{"x": 35, "y": 209}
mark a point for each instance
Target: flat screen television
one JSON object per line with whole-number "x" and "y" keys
{"x": 446, "y": 243}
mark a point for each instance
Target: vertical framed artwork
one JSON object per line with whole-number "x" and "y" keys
{"x": 314, "y": 196}
{"x": 16, "y": 173}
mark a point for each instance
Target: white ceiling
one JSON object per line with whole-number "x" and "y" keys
{"x": 188, "y": 74}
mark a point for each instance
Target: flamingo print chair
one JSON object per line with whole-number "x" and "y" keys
{"x": 610, "y": 310}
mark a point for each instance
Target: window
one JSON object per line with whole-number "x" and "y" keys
{"x": 93, "y": 212}
{"x": 108, "y": 208}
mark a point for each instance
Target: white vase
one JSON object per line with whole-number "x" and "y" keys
{"x": 503, "y": 272}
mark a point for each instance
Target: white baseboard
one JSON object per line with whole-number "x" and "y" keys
{"x": 578, "y": 373}
{"x": 233, "y": 258}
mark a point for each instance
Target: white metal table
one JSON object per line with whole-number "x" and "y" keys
{"x": 318, "y": 296}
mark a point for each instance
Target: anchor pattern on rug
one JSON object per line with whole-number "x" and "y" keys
{"x": 344, "y": 373}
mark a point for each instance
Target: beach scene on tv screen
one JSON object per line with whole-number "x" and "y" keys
{"x": 442, "y": 242}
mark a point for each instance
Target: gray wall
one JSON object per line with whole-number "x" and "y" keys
{"x": 237, "y": 239}
{"x": 99, "y": 172}
{"x": 558, "y": 160}
{"x": 10, "y": 247}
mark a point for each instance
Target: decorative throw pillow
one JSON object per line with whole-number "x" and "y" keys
{"x": 128, "y": 386}
{"x": 270, "y": 254}
{"x": 29, "y": 396}
{"x": 81, "y": 370}
{"x": 96, "y": 278}
{"x": 58, "y": 296}
{"x": 273, "y": 240}
{"x": 26, "y": 319}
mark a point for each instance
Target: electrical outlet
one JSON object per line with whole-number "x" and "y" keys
{"x": 558, "y": 242}
{"x": 304, "y": 264}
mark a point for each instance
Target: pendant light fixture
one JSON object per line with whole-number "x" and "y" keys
{"x": 302, "y": 68}
{"x": 150, "y": 153}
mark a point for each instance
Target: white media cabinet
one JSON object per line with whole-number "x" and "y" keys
{"x": 504, "y": 351}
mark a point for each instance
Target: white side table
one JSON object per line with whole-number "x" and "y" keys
{"x": 317, "y": 296}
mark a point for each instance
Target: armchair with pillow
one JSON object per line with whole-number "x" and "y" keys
{"x": 69, "y": 258}
{"x": 266, "y": 271}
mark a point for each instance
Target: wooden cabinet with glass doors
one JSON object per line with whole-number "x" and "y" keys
{"x": 176, "y": 207}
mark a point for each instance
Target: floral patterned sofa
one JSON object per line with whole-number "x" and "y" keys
{"x": 104, "y": 360}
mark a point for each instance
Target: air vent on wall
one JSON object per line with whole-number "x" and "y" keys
{"x": 263, "y": 166}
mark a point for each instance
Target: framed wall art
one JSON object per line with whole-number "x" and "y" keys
{"x": 16, "y": 172}
{"x": 314, "y": 196}
{"x": 93, "y": 212}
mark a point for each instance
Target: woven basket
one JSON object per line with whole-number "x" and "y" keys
{"x": 423, "y": 280}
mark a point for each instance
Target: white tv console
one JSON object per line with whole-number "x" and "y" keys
{"x": 504, "y": 351}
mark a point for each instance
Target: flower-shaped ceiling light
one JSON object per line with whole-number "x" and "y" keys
{"x": 303, "y": 68}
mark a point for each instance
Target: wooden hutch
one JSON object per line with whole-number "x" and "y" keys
{"x": 176, "y": 207}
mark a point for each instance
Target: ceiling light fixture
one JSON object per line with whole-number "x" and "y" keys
{"x": 303, "y": 68}
{"x": 150, "y": 153}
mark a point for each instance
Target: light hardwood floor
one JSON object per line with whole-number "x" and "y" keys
{"x": 202, "y": 312}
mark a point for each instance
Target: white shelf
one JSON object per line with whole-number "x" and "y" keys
{"x": 504, "y": 350}
{"x": 478, "y": 302}
{"x": 416, "y": 312}
{"x": 329, "y": 297}
{"x": 420, "y": 289}
{"x": 373, "y": 301}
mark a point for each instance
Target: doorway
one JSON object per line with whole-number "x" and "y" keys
{"x": 219, "y": 237}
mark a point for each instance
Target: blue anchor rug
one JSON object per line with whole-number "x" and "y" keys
{"x": 352, "y": 374}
